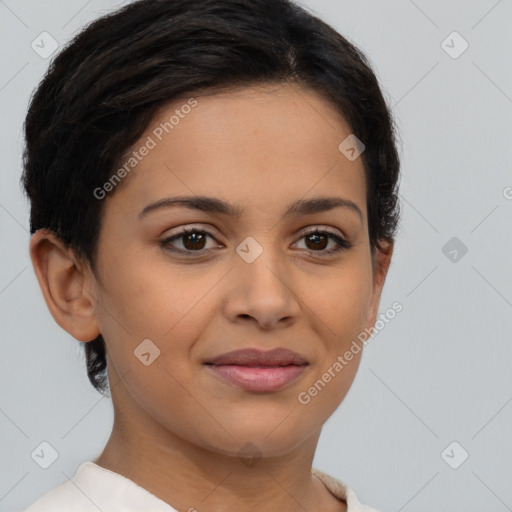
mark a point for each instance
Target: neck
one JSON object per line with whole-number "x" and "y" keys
{"x": 189, "y": 477}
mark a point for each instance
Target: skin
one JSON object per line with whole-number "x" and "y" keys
{"x": 178, "y": 429}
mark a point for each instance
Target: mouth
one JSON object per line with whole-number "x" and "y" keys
{"x": 255, "y": 370}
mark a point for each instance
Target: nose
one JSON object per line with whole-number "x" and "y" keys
{"x": 262, "y": 292}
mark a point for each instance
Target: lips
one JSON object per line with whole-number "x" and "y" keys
{"x": 255, "y": 357}
{"x": 255, "y": 370}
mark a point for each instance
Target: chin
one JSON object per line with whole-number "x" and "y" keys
{"x": 250, "y": 442}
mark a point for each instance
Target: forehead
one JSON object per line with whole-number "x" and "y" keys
{"x": 260, "y": 144}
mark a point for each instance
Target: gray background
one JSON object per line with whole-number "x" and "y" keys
{"x": 438, "y": 373}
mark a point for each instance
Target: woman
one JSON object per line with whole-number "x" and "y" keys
{"x": 213, "y": 192}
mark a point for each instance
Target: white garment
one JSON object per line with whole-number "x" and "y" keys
{"x": 95, "y": 488}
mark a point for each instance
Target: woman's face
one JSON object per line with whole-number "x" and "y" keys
{"x": 258, "y": 280}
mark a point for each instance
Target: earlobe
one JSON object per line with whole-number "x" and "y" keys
{"x": 63, "y": 285}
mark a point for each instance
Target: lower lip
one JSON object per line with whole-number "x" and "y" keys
{"x": 269, "y": 378}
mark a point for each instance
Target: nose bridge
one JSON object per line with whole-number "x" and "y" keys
{"x": 260, "y": 261}
{"x": 261, "y": 288}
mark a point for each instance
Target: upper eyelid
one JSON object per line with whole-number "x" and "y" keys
{"x": 304, "y": 231}
{"x": 322, "y": 227}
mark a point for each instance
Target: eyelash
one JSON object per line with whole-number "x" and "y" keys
{"x": 342, "y": 243}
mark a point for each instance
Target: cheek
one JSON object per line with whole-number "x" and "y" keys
{"x": 146, "y": 300}
{"x": 170, "y": 310}
{"x": 342, "y": 302}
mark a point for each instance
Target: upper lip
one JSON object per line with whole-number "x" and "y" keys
{"x": 256, "y": 357}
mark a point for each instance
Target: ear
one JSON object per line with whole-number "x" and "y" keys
{"x": 381, "y": 264}
{"x": 64, "y": 285}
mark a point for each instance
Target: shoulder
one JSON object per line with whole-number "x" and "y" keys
{"x": 343, "y": 492}
{"x": 95, "y": 488}
{"x": 64, "y": 497}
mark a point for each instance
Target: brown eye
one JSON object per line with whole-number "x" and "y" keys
{"x": 193, "y": 240}
{"x": 317, "y": 240}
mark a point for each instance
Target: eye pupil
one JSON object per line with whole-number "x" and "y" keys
{"x": 195, "y": 238}
{"x": 315, "y": 237}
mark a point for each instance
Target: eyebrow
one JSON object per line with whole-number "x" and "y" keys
{"x": 218, "y": 206}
